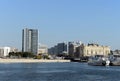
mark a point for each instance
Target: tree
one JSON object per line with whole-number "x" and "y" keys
{"x": 11, "y": 54}
{"x": 28, "y": 54}
{"x": 21, "y": 54}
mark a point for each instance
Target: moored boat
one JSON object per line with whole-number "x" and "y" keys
{"x": 114, "y": 60}
{"x": 98, "y": 60}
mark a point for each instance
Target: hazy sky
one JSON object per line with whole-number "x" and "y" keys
{"x": 61, "y": 20}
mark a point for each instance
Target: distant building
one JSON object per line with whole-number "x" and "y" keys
{"x": 52, "y": 50}
{"x": 62, "y": 48}
{"x": 92, "y": 49}
{"x": 72, "y": 48}
{"x": 42, "y": 49}
{"x": 116, "y": 51}
{"x": 30, "y": 40}
{"x": 58, "y": 49}
{"x": 4, "y": 51}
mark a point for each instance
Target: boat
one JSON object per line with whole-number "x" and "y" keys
{"x": 114, "y": 60}
{"x": 98, "y": 60}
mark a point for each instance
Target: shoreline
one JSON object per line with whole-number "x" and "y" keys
{"x": 30, "y": 61}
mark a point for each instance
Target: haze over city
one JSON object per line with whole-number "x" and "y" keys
{"x": 61, "y": 20}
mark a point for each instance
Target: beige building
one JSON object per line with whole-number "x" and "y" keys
{"x": 92, "y": 49}
{"x": 42, "y": 49}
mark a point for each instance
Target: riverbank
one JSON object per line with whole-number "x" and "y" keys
{"x": 29, "y": 60}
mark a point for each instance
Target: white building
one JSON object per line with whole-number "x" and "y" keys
{"x": 4, "y": 51}
{"x": 42, "y": 49}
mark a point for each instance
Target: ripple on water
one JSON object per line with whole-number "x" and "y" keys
{"x": 58, "y": 72}
{"x": 55, "y": 71}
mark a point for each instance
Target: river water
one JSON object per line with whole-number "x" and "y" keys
{"x": 58, "y": 72}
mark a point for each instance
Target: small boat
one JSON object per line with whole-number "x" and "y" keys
{"x": 114, "y": 60}
{"x": 98, "y": 60}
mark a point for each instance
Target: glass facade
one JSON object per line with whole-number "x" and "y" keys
{"x": 30, "y": 40}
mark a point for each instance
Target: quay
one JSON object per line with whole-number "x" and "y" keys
{"x": 30, "y": 60}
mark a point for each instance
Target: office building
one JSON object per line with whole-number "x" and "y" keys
{"x": 60, "y": 48}
{"x": 30, "y": 40}
{"x": 72, "y": 46}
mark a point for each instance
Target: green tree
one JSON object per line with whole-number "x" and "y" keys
{"x": 27, "y": 54}
{"x": 21, "y": 54}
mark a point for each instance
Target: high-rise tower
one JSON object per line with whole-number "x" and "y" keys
{"x": 30, "y": 40}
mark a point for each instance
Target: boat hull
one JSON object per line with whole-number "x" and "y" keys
{"x": 114, "y": 63}
{"x": 98, "y": 63}
{"x": 114, "y": 60}
{"x": 98, "y": 60}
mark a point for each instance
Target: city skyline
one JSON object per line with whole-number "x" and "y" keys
{"x": 58, "y": 21}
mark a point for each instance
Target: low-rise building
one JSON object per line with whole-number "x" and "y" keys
{"x": 4, "y": 51}
{"x": 92, "y": 49}
{"x": 116, "y": 51}
{"x": 42, "y": 49}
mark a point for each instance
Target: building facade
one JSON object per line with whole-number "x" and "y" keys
{"x": 117, "y": 51}
{"x": 30, "y": 40}
{"x": 72, "y": 46}
{"x": 42, "y": 49}
{"x": 4, "y": 51}
{"x": 92, "y": 49}
{"x": 60, "y": 48}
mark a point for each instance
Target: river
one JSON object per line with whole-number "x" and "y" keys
{"x": 58, "y": 72}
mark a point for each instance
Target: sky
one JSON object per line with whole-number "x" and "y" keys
{"x": 89, "y": 21}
